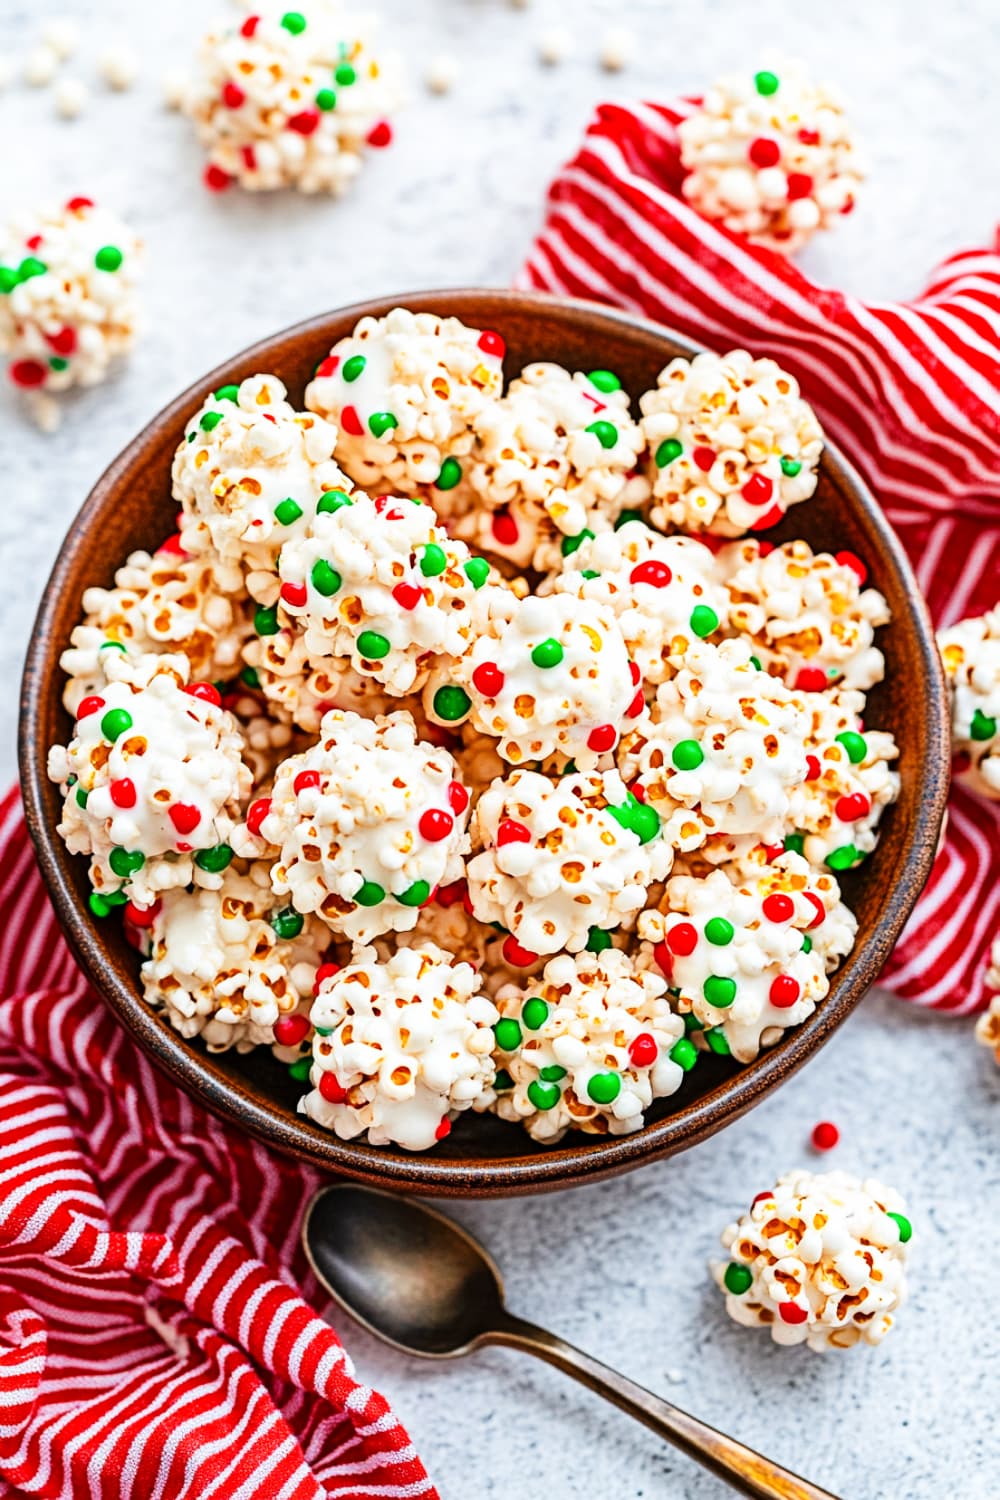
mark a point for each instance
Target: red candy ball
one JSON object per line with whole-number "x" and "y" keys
{"x": 76, "y": 205}
{"x": 323, "y": 973}
{"x": 215, "y": 179}
{"x": 682, "y": 939}
{"x": 488, "y": 679}
{"x": 351, "y": 422}
{"x": 505, "y": 528}
{"x": 443, "y": 1129}
{"x": 142, "y": 916}
{"x": 232, "y": 95}
{"x": 784, "y": 991}
{"x": 173, "y": 546}
{"x": 664, "y": 958}
{"x": 435, "y": 824}
{"x": 62, "y": 343}
{"x": 813, "y": 768}
{"x": 123, "y": 792}
{"x": 757, "y": 490}
{"x": 849, "y": 809}
{"x": 778, "y": 907}
{"x": 206, "y": 691}
{"x": 764, "y": 152}
{"x": 184, "y": 816}
{"x": 656, "y": 574}
{"x": 450, "y": 895}
{"x": 820, "y": 909}
{"x": 604, "y": 737}
{"x": 28, "y": 373}
{"x": 636, "y": 707}
{"x": 380, "y": 135}
{"x": 492, "y": 343}
{"x": 407, "y": 595}
{"x": 512, "y": 832}
{"x": 304, "y": 780}
{"x": 289, "y": 1031}
{"x": 643, "y": 1050}
{"x": 458, "y": 797}
{"x": 811, "y": 680}
{"x": 800, "y": 185}
{"x": 516, "y": 956}
{"x": 769, "y": 518}
{"x": 761, "y": 1198}
{"x": 249, "y": 25}
{"x": 852, "y": 561}
{"x": 294, "y": 594}
{"x": 790, "y": 1312}
{"x": 704, "y": 458}
{"x": 305, "y": 122}
{"x": 89, "y": 706}
{"x": 256, "y": 814}
{"x": 825, "y": 1135}
{"x": 327, "y": 367}
{"x": 331, "y": 1090}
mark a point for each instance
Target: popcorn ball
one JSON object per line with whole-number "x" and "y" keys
{"x": 772, "y": 155}
{"x": 732, "y": 444}
{"x": 229, "y": 965}
{"x": 68, "y": 280}
{"x": 588, "y": 1045}
{"x": 378, "y": 582}
{"x": 367, "y": 822}
{"x": 553, "y": 677}
{"x": 820, "y": 1260}
{"x": 664, "y": 591}
{"x": 971, "y": 655}
{"x": 562, "y": 861}
{"x": 835, "y": 810}
{"x": 404, "y": 392}
{"x": 296, "y": 688}
{"x": 807, "y": 615}
{"x": 288, "y": 100}
{"x": 988, "y": 1025}
{"x": 720, "y": 749}
{"x": 402, "y": 1046}
{"x": 152, "y": 779}
{"x": 748, "y": 957}
{"x": 252, "y": 474}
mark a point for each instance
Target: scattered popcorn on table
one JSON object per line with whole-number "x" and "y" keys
{"x": 402, "y": 1046}
{"x": 289, "y": 99}
{"x": 441, "y": 73}
{"x": 67, "y": 296}
{"x": 988, "y": 1025}
{"x": 971, "y": 655}
{"x": 771, "y": 155}
{"x": 40, "y": 67}
{"x": 555, "y": 45}
{"x": 71, "y": 97}
{"x": 118, "y": 67}
{"x": 617, "y": 48}
{"x": 820, "y": 1260}
{"x": 62, "y": 35}
{"x": 731, "y": 444}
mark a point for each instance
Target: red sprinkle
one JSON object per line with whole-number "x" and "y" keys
{"x": 778, "y": 907}
{"x": 818, "y": 907}
{"x": 813, "y": 768}
{"x": 451, "y": 895}
{"x": 294, "y": 594}
{"x": 407, "y": 595}
{"x": 604, "y": 737}
{"x": 28, "y": 373}
{"x": 656, "y": 574}
{"x": 769, "y": 518}
{"x": 305, "y": 122}
{"x": 488, "y": 679}
{"x": 232, "y": 95}
{"x": 773, "y": 852}
{"x": 643, "y": 1050}
{"x": 173, "y": 545}
{"x": 811, "y": 680}
{"x": 761, "y": 1198}
{"x": 351, "y": 422}
{"x": 304, "y": 780}
{"x": 636, "y": 707}
{"x": 704, "y": 458}
{"x": 784, "y": 991}
{"x": 77, "y": 205}
{"x": 825, "y": 1135}
{"x": 790, "y": 1312}
{"x": 331, "y": 1090}
{"x": 327, "y": 367}
{"x": 757, "y": 490}
{"x": 764, "y": 152}
{"x": 289, "y": 1031}
{"x": 123, "y": 792}
{"x": 249, "y": 25}
{"x": 492, "y": 343}
{"x": 638, "y": 791}
{"x": 215, "y": 179}
{"x": 323, "y": 973}
{"x": 852, "y": 560}
{"x": 89, "y": 706}
{"x": 505, "y": 528}
{"x": 682, "y": 939}
{"x": 206, "y": 691}
{"x": 458, "y": 797}
{"x": 512, "y": 832}
{"x": 256, "y": 814}
{"x": 63, "y": 342}
{"x": 249, "y": 156}
{"x": 800, "y": 185}
{"x": 516, "y": 956}
{"x": 380, "y": 135}
{"x": 848, "y": 207}
{"x": 184, "y": 816}
{"x": 634, "y": 673}
{"x": 809, "y": 137}
{"x": 849, "y": 809}
{"x": 141, "y": 916}
{"x": 664, "y": 958}
{"x": 435, "y": 824}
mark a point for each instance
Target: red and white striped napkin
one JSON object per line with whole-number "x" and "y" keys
{"x": 154, "y": 1340}
{"x": 911, "y": 391}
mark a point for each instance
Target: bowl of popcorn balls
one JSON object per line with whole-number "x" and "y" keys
{"x": 480, "y": 742}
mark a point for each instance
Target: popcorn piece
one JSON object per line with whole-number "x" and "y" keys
{"x": 617, "y": 48}
{"x": 404, "y": 391}
{"x": 228, "y": 966}
{"x": 118, "y": 67}
{"x": 587, "y": 1046}
{"x": 720, "y": 749}
{"x": 521, "y": 533}
{"x": 152, "y": 780}
{"x": 67, "y": 295}
{"x": 971, "y": 655}
{"x": 368, "y": 822}
{"x": 663, "y": 591}
{"x": 747, "y": 957}
{"x": 62, "y": 35}
{"x": 820, "y": 1260}
{"x": 251, "y": 475}
{"x": 810, "y": 620}
{"x": 377, "y": 581}
{"x": 835, "y": 811}
{"x": 554, "y": 45}
{"x": 563, "y": 860}
{"x": 988, "y": 1025}
{"x": 289, "y": 100}
{"x": 402, "y": 1047}
{"x": 441, "y": 73}
{"x": 732, "y": 444}
{"x": 40, "y": 67}
{"x": 772, "y": 156}
{"x": 71, "y": 98}
{"x": 554, "y": 677}
{"x": 300, "y": 690}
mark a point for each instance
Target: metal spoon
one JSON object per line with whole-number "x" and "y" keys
{"x": 418, "y": 1281}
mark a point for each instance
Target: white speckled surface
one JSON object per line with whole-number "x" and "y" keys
{"x": 618, "y": 1267}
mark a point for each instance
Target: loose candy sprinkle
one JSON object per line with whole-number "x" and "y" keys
{"x": 719, "y": 990}
{"x": 604, "y": 1088}
{"x": 534, "y": 1013}
{"x": 451, "y": 703}
{"x": 738, "y": 1279}
{"x": 825, "y": 1135}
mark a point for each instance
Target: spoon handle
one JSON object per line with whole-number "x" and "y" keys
{"x": 748, "y": 1472}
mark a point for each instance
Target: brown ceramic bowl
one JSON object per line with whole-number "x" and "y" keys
{"x": 130, "y": 507}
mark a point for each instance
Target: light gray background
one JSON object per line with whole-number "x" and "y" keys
{"x": 619, "y": 1267}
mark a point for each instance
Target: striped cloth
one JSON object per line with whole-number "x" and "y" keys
{"x": 153, "y": 1340}
{"x": 910, "y": 390}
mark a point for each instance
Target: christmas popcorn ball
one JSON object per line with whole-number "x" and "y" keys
{"x": 664, "y": 591}
{"x": 295, "y": 688}
{"x": 404, "y": 392}
{"x": 834, "y": 812}
{"x": 552, "y": 677}
{"x": 731, "y": 444}
{"x": 820, "y": 1260}
{"x": 68, "y": 281}
{"x": 230, "y": 965}
{"x": 562, "y": 862}
{"x": 152, "y": 779}
{"x": 251, "y": 474}
{"x": 971, "y": 655}
{"x": 772, "y": 156}
{"x": 288, "y": 100}
{"x": 367, "y": 823}
{"x": 378, "y": 583}
{"x": 588, "y": 1045}
{"x": 402, "y": 1046}
{"x": 988, "y": 1025}
{"x": 747, "y": 958}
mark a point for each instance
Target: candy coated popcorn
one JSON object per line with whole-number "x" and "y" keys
{"x": 971, "y": 655}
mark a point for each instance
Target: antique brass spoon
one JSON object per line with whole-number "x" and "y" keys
{"x": 418, "y": 1281}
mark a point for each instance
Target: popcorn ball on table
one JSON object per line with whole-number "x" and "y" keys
{"x": 230, "y": 965}
{"x": 747, "y": 958}
{"x": 404, "y": 392}
{"x": 367, "y": 823}
{"x": 68, "y": 303}
{"x": 820, "y": 1260}
{"x": 153, "y": 781}
{"x": 402, "y": 1047}
{"x": 562, "y": 862}
{"x": 288, "y": 99}
{"x": 808, "y": 616}
{"x": 834, "y": 812}
{"x": 588, "y": 1045}
{"x": 732, "y": 444}
{"x": 988, "y": 1025}
{"x": 971, "y": 655}
{"x": 772, "y": 155}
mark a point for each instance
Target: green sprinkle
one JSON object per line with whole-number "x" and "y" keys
{"x": 345, "y": 75}
{"x": 755, "y": 662}
{"x": 476, "y": 570}
{"x": 737, "y": 1279}
{"x": 287, "y": 511}
{"x": 548, "y": 653}
{"x": 56, "y": 362}
{"x": 323, "y": 1030}
{"x": 703, "y": 620}
{"x": 843, "y": 858}
{"x": 250, "y": 677}
{"x": 534, "y": 1013}
{"x": 854, "y": 744}
{"x": 227, "y": 393}
{"x": 116, "y": 898}
{"x": 381, "y": 422}
{"x": 983, "y": 726}
{"x": 687, "y": 755}
{"x": 790, "y": 467}
{"x": 8, "y": 279}
{"x": 606, "y": 433}
{"x": 415, "y": 894}
{"x": 598, "y": 941}
{"x": 332, "y": 501}
{"x": 627, "y": 517}
{"x": 766, "y": 83}
{"x": 108, "y": 258}
{"x": 719, "y": 932}
{"x": 324, "y": 578}
{"x": 433, "y": 560}
{"x": 904, "y": 1226}
{"x": 353, "y": 367}
{"x": 543, "y": 1095}
{"x": 644, "y": 821}
{"x": 668, "y": 450}
{"x": 590, "y": 573}
{"x": 508, "y": 1034}
{"x": 604, "y": 380}
{"x": 552, "y": 1074}
{"x": 684, "y": 1054}
{"x": 209, "y": 420}
{"x": 503, "y": 1081}
{"x": 604, "y": 1088}
{"x": 370, "y": 893}
{"x": 796, "y": 842}
{"x": 97, "y": 904}
{"x": 719, "y": 991}
{"x": 265, "y": 621}
{"x": 448, "y": 475}
{"x": 716, "y": 1039}
{"x": 451, "y": 703}
{"x": 373, "y": 646}
{"x": 301, "y": 1068}
{"x": 125, "y": 862}
{"x": 691, "y": 1022}
{"x": 81, "y": 797}
{"x": 569, "y": 544}
{"x": 326, "y": 99}
{"x": 294, "y": 21}
{"x": 116, "y": 722}
{"x": 807, "y": 943}
{"x": 214, "y": 860}
{"x": 287, "y": 922}
{"x": 111, "y": 646}
{"x": 31, "y": 266}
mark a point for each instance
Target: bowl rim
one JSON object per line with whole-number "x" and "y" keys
{"x": 563, "y": 1165}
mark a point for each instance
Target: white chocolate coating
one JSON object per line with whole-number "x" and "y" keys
{"x": 801, "y": 175}
{"x": 597, "y": 1005}
{"x": 408, "y": 1038}
{"x": 971, "y": 655}
{"x": 988, "y": 1025}
{"x": 736, "y": 418}
{"x": 828, "y": 1261}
